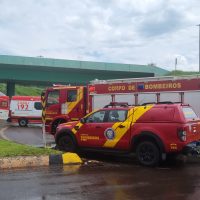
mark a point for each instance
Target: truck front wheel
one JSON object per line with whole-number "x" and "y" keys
{"x": 66, "y": 143}
{"x": 23, "y": 122}
{"x": 148, "y": 153}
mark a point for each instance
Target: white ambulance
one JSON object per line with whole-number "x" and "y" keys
{"x": 25, "y": 110}
{"x": 4, "y": 107}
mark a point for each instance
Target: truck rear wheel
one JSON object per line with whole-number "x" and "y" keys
{"x": 23, "y": 122}
{"x": 66, "y": 143}
{"x": 148, "y": 153}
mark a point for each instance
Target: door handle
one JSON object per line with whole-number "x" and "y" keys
{"x": 98, "y": 126}
{"x": 121, "y": 126}
{"x": 76, "y": 128}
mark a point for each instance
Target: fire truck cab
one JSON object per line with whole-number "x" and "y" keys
{"x": 62, "y": 104}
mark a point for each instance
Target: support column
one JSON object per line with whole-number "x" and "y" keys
{"x": 10, "y": 89}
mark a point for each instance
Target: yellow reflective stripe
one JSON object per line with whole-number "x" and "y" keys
{"x": 139, "y": 111}
{"x": 80, "y": 124}
{"x": 74, "y": 131}
{"x": 71, "y": 105}
{"x": 43, "y": 102}
{"x": 119, "y": 133}
{"x": 74, "y": 119}
{"x": 133, "y": 115}
{"x": 48, "y": 119}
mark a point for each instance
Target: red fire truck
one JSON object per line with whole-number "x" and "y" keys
{"x": 70, "y": 103}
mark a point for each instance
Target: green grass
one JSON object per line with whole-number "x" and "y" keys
{"x": 28, "y": 91}
{"x": 3, "y": 88}
{"x": 10, "y": 149}
{"x": 21, "y": 90}
{"x": 181, "y": 73}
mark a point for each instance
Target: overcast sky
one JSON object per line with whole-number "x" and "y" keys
{"x": 117, "y": 31}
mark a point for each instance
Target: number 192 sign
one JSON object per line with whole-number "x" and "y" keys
{"x": 22, "y": 105}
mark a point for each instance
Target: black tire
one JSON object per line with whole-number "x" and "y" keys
{"x": 148, "y": 154}
{"x": 66, "y": 143}
{"x": 23, "y": 122}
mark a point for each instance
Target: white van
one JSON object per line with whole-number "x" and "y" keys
{"x": 4, "y": 107}
{"x": 25, "y": 110}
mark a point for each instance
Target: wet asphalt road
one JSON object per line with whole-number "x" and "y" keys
{"x": 112, "y": 178}
{"x": 31, "y": 135}
{"x": 108, "y": 181}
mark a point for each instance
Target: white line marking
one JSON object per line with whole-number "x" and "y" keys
{"x": 2, "y": 133}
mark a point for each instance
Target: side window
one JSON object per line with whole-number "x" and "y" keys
{"x": 38, "y": 105}
{"x": 117, "y": 115}
{"x": 189, "y": 113}
{"x": 3, "y": 104}
{"x": 71, "y": 95}
{"x": 97, "y": 117}
{"x": 53, "y": 98}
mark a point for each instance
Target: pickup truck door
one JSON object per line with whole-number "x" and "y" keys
{"x": 90, "y": 133}
{"x": 117, "y": 134}
{"x": 103, "y": 131}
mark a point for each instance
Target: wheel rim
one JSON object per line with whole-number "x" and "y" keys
{"x": 22, "y": 122}
{"x": 147, "y": 153}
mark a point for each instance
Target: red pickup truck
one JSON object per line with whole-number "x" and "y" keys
{"x": 151, "y": 131}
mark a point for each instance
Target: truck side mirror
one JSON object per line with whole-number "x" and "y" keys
{"x": 83, "y": 120}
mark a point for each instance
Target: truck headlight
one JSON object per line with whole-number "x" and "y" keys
{"x": 182, "y": 134}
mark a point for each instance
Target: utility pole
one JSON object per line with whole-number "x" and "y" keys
{"x": 199, "y": 46}
{"x": 176, "y": 61}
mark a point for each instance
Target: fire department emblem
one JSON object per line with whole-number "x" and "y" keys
{"x": 109, "y": 133}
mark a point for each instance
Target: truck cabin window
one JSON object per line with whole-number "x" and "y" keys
{"x": 117, "y": 115}
{"x": 38, "y": 105}
{"x": 71, "y": 95}
{"x": 97, "y": 117}
{"x": 53, "y": 98}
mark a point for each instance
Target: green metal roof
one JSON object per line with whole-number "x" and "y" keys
{"x": 75, "y": 64}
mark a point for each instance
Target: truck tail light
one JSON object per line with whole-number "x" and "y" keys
{"x": 182, "y": 134}
{"x": 64, "y": 109}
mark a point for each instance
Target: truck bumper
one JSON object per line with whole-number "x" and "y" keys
{"x": 192, "y": 148}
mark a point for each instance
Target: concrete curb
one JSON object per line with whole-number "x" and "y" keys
{"x": 36, "y": 161}
{"x": 66, "y": 158}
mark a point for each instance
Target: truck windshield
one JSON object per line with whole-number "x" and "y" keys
{"x": 53, "y": 98}
{"x": 189, "y": 113}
